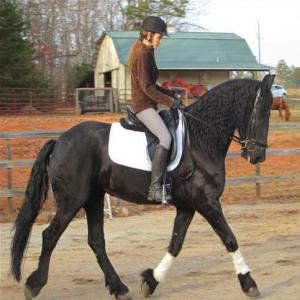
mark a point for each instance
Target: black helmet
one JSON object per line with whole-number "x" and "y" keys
{"x": 155, "y": 24}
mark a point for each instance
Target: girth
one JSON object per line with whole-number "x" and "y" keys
{"x": 169, "y": 117}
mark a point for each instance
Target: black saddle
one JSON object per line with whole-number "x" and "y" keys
{"x": 170, "y": 118}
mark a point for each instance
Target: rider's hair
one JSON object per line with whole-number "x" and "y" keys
{"x": 143, "y": 35}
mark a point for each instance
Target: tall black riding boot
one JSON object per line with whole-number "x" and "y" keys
{"x": 159, "y": 165}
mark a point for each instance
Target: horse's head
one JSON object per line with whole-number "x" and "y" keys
{"x": 254, "y": 140}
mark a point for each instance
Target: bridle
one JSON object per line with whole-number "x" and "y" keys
{"x": 251, "y": 139}
{"x": 245, "y": 143}
{"x": 251, "y": 132}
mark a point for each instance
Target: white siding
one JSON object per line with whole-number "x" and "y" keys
{"x": 107, "y": 60}
{"x": 115, "y": 78}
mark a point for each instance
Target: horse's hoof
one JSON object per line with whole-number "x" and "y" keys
{"x": 248, "y": 285}
{"x": 253, "y": 292}
{"x": 28, "y": 293}
{"x": 145, "y": 289}
{"x": 149, "y": 283}
{"x": 124, "y": 297}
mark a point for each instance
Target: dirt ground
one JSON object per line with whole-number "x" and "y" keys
{"x": 268, "y": 234}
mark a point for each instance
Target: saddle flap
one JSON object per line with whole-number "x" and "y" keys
{"x": 170, "y": 118}
{"x": 129, "y": 147}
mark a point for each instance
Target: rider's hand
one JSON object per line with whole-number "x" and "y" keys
{"x": 177, "y": 104}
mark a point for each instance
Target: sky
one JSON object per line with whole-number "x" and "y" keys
{"x": 279, "y": 25}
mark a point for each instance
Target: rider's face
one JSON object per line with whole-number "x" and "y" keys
{"x": 157, "y": 38}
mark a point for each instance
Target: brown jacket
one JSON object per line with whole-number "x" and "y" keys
{"x": 145, "y": 93}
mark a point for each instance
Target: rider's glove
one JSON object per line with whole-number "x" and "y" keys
{"x": 177, "y": 104}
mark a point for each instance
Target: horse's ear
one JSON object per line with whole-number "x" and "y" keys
{"x": 267, "y": 82}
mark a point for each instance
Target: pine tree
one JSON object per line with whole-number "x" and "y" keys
{"x": 16, "y": 52}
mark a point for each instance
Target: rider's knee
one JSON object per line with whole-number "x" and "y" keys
{"x": 165, "y": 140}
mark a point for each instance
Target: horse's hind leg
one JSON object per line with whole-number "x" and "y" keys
{"x": 95, "y": 214}
{"x": 214, "y": 215}
{"x": 51, "y": 235}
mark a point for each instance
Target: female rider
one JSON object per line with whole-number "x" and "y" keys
{"x": 146, "y": 94}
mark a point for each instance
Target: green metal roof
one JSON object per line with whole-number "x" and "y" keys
{"x": 194, "y": 50}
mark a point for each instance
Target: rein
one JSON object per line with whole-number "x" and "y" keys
{"x": 234, "y": 138}
{"x": 195, "y": 118}
{"x": 246, "y": 142}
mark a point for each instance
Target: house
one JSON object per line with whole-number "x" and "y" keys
{"x": 206, "y": 58}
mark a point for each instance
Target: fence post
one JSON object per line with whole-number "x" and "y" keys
{"x": 116, "y": 100}
{"x": 78, "y": 109}
{"x": 30, "y": 100}
{"x": 257, "y": 185}
{"x": 9, "y": 177}
{"x": 111, "y": 104}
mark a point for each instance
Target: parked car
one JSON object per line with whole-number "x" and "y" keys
{"x": 278, "y": 91}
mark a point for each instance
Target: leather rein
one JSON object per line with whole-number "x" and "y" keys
{"x": 251, "y": 131}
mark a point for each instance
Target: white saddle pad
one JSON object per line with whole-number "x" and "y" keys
{"x": 129, "y": 148}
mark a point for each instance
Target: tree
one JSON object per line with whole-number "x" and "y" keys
{"x": 282, "y": 72}
{"x": 137, "y": 10}
{"x": 81, "y": 76}
{"x": 16, "y": 52}
{"x": 294, "y": 80}
{"x": 65, "y": 32}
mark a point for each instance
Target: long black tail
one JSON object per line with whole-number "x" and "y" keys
{"x": 35, "y": 196}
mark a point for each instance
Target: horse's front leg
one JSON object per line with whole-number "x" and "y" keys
{"x": 151, "y": 278}
{"x": 213, "y": 213}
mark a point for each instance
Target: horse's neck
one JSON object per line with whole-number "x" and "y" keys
{"x": 213, "y": 139}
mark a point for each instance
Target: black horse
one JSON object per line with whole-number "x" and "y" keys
{"x": 81, "y": 172}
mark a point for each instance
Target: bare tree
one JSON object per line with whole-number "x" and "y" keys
{"x": 65, "y": 32}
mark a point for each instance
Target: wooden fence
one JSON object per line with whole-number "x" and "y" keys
{"x": 9, "y": 192}
{"x": 36, "y": 101}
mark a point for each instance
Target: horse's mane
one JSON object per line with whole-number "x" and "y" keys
{"x": 224, "y": 108}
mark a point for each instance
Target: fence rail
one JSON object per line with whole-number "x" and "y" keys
{"x": 10, "y": 164}
{"x": 36, "y": 101}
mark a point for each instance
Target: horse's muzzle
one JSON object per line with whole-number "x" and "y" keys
{"x": 254, "y": 156}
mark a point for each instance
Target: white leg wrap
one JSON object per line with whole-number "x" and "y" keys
{"x": 161, "y": 270}
{"x": 239, "y": 262}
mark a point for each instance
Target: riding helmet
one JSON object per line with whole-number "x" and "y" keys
{"x": 155, "y": 24}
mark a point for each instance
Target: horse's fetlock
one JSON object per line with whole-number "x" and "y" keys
{"x": 231, "y": 244}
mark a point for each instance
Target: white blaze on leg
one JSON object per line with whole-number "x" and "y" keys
{"x": 161, "y": 270}
{"x": 239, "y": 262}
